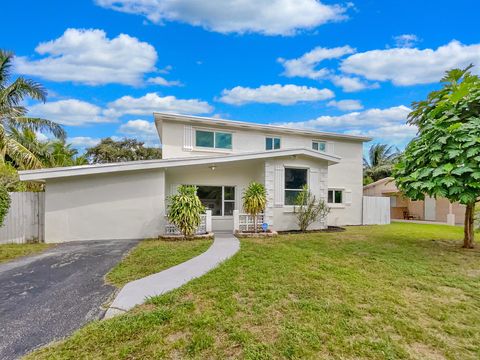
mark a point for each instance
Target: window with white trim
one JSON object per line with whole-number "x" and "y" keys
{"x": 319, "y": 145}
{"x": 272, "y": 143}
{"x": 295, "y": 180}
{"x": 213, "y": 139}
{"x": 219, "y": 199}
{"x": 335, "y": 196}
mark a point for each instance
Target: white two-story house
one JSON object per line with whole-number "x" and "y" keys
{"x": 221, "y": 157}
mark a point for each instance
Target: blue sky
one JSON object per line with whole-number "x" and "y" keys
{"x": 330, "y": 65}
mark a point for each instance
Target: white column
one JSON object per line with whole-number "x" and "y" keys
{"x": 236, "y": 220}
{"x": 450, "y": 215}
{"x": 208, "y": 221}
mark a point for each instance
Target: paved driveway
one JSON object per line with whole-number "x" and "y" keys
{"x": 47, "y": 296}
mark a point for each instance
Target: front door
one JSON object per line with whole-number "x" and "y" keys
{"x": 430, "y": 208}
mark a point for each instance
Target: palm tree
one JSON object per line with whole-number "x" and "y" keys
{"x": 13, "y": 115}
{"x": 380, "y": 161}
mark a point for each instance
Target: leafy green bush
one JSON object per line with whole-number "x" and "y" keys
{"x": 308, "y": 209}
{"x": 4, "y": 203}
{"x": 185, "y": 209}
{"x": 254, "y": 200}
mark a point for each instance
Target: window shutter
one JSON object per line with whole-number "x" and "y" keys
{"x": 348, "y": 197}
{"x": 187, "y": 138}
{"x": 330, "y": 147}
{"x": 314, "y": 185}
{"x": 279, "y": 185}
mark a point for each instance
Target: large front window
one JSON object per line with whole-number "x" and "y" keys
{"x": 295, "y": 180}
{"x": 213, "y": 139}
{"x": 219, "y": 199}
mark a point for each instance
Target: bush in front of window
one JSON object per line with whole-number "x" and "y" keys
{"x": 184, "y": 210}
{"x": 308, "y": 209}
{"x": 254, "y": 200}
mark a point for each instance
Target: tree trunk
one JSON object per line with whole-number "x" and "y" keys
{"x": 468, "y": 229}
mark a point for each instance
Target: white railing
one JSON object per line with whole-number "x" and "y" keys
{"x": 245, "y": 222}
{"x": 204, "y": 227}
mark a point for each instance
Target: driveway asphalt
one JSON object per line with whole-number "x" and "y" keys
{"x": 46, "y": 297}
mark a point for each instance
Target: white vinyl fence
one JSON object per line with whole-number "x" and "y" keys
{"x": 376, "y": 210}
{"x": 25, "y": 219}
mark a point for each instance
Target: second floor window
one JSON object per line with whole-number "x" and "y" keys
{"x": 213, "y": 139}
{"x": 319, "y": 145}
{"x": 272, "y": 143}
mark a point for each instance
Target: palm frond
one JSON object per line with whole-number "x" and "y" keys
{"x": 6, "y": 58}
{"x": 21, "y": 155}
{"x": 38, "y": 124}
{"x": 14, "y": 93}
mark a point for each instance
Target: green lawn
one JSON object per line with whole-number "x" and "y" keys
{"x": 152, "y": 256}
{"x": 12, "y": 251}
{"x": 402, "y": 291}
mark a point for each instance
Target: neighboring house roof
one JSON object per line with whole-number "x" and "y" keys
{"x": 198, "y": 120}
{"x": 52, "y": 173}
{"x": 378, "y": 182}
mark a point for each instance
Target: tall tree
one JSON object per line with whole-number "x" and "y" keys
{"x": 14, "y": 115}
{"x": 110, "y": 151}
{"x": 444, "y": 159}
{"x": 380, "y": 161}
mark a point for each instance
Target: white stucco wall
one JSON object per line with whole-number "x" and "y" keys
{"x": 108, "y": 206}
{"x": 346, "y": 176}
{"x": 177, "y": 143}
{"x": 238, "y": 174}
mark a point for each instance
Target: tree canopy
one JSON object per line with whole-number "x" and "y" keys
{"x": 444, "y": 159}
{"x": 109, "y": 150}
{"x": 13, "y": 115}
{"x": 379, "y": 163}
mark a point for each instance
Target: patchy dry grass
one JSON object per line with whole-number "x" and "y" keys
{"x": 12, "y": 251}
{"x": 152, "y": 256}
{"x": 402, "y": 291}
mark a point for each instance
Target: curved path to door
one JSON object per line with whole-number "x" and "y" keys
{"x": 138, "y": 291}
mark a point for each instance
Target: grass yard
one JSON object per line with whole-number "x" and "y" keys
{"x": 402, "y": 291}
{"x": 152, "y": 256}
{"x": 12, "y": 251}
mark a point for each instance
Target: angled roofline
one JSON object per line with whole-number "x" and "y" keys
{"x": 159, "y": 117}
{"x": 62, "y": 172}
{"x": 378, "y": 182}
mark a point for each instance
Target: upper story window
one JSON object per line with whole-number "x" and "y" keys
{"x": 213, "y": 139}
{"x": 319, "y": 145}
{"x": 272, "y": 143}
{"x": 295, "y": 180}
{"x": 335, "y": 196}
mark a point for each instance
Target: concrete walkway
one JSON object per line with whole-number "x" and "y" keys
{"x": 138, "y": 291}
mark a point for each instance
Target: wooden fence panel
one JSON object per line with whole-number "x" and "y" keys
{"x": 376, "y": 210}
{"x": 25, "y": 221}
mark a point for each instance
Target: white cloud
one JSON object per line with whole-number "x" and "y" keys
{"x": 158, "y": 80}
{"x": 352, "y": 83}
{"x": 88, "y": 56}
{"x": 268, "y": 17}
{"x": 82, "y": 142}
{"x": 151, "y": 102}
{"x": 404, "y": 66}
{"x": 346, "y": 105}
{"x": 382, "y": 124}
{"x": 71, "y": 112}
{"x": 406, "y": 40}
{"x": 307, "y": 64}
{"x": 142, "y": 130}
{"x": 274, "y": 94}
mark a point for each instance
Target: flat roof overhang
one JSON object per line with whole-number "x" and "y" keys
{"x": 41, "y": 175}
